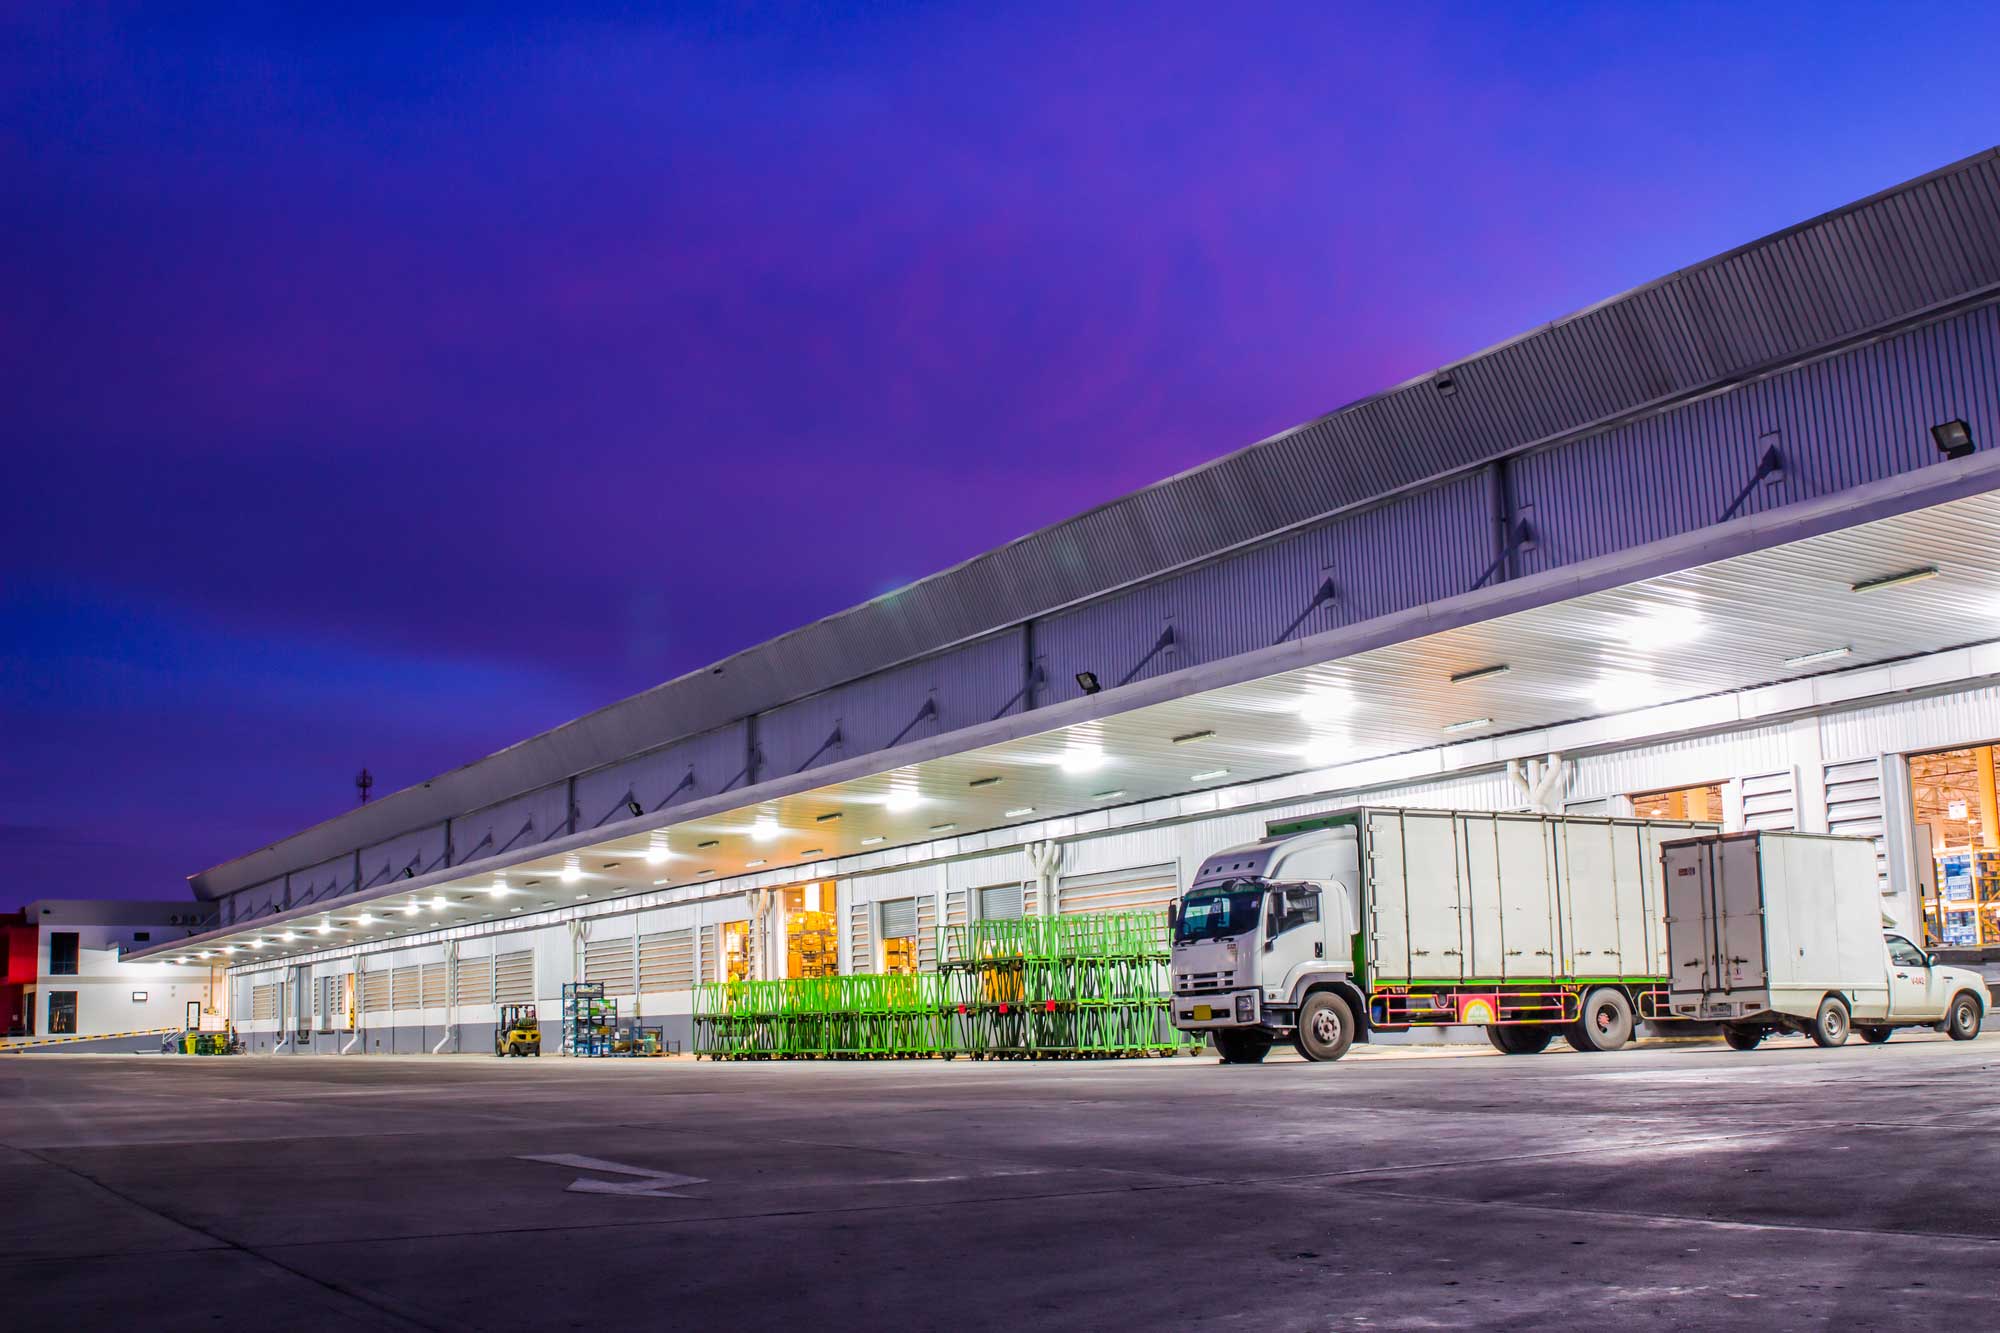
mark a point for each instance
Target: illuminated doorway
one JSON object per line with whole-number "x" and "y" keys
{"x": 812, "y": 942}
{"x": 1701, "y": 804}
{"x": 1957, "y": 830}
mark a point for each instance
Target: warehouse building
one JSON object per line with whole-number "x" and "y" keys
{"x": 68, "y": 978}
{"x": 1722, "y": 546}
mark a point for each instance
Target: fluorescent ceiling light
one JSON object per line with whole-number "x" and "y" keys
{"x": 812, "y": 851}
{"x": 1189, "y": 737}
{"x": 1661, "y": 628}
{"x": 583, "y": 897}
{"x": 1481, "y": 673}
{"x": 570, "y": 874}
{"x": 1917, "y": 575}
{"x": 759, "y": 861}
{"x": 1018, "y": 811}
{"x": 437, "y": 902}
{"x": 870, "y": 842}
{"x": 984, "y": 782}
{"x": 943, "y": 828}
{"x": 1107, "y": 795}
{"x": 657, "y": 854}
{"x": 764, "y": 828}
{"x": 1823, "y": 655}
{"x": 411, "y": 909}
{"x": 826, "y": 818}
{"x": 1208, "y": 775}
{"x": 365, "y": 919}
{"x": 1082, "y": 759}
{"x": 1620, "y": 693}
{"x": 288, "y": 937}
{"x": 1470, "y": 724}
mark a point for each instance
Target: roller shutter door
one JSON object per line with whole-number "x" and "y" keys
{"x": 1000, "y": 902}
{"x": 405, "y": 987}
{"x": 472, "y": 983}
{"x": 514, "y": 977}
{"x": 666, "y": 961}
{"x": 1146, "y": 889}
{"x": 375, "y": 992}
{"x": 610, "y": 961}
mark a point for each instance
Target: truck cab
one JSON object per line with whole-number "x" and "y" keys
{"x": 1264, "y": 948}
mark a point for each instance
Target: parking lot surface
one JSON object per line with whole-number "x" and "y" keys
{"x": 1665, "y": 1186}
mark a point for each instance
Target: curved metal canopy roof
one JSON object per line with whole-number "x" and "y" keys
{"x": 1882, "y": 263}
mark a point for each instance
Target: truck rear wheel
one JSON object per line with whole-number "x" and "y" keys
{"x": 1242, "y": 1048}
{"x": 1606, "y": 1023}
{"x": 1519, "y": 1041}
{"x": 1874, "y": 1035}
{"x": 1830, "y": 1025}
{"x": 1741, "y": 1038}
{"x": 1962, "y": 1022}
{"x": 1326, "y": 1027}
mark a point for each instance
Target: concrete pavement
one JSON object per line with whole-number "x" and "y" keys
{"x": 1658, "y": 1187}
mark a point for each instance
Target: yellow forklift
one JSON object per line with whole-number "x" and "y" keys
{"x": 519, "y": 1033}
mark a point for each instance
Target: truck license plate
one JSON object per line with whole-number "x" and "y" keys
{"x": 1203, "y": 1013}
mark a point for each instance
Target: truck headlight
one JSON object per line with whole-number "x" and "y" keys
{"x": 1246, "y": 1008}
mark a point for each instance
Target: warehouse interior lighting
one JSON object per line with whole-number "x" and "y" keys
{"x": 1087, "y": 682}
{"x": 1018, "y": 811}
{"x": 1208, "y": 775}
{"x": 1107, "y": 795}
{"x": 1823, "y": 655}
{"x": 870, "y": 842}
{"x": 985, "y": 782}
{"x": 1481, "y": 673}
{"x": 1662, "y": 628}
{"x": 1188, "y": 738}
{"x": 288, "y": 937}
{"x": 633, "y": 808}
{"x": 365, "y": 919}
{"x": 902, "y": 799}
{"x": 1953, "y": 438}
{"x": 571, "y": 872}
{"x": 812, "y": 851}
{"x": 1917, "y": 575}
{"x": 437, "y": 902}
{"x": 764, "y": 828}
{"x": 1470, "y": 724}
{"x": 943, "y": 828}
{"x": 657, "y": 851}
{"x": 827, "y": 818}
{"x": 411, "y": 909}
{"x": 753, "y": 864}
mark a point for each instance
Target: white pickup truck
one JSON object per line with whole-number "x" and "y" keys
{"x": 1782, "y": 932}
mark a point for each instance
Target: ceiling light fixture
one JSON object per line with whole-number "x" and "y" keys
{"x": 1917, "y": 575}
{"x": 1191, "y": 736}
{"x": 1111, "y": 795}
{"x": 411, "y": 909}
{"x": 764, "y": 828}
{"x": 826, "y": 818}
{"x": 704, "y": 846}
{"x": 1208, "y": 775}
{"x": 1480, "y": 673}
{"x": 1823, "y": 655}
{"x": 571, "y": 873}
{"x": 754, "y": 864}
{"x": 1470, "y": 724}
{"x": 437, "y": 902}
{"x": 1018, "y": 811}
{"x": 706, "y": 870}
{"x": 984, "y": 782}
{"x": 1082, "y": 759}
{"x": 657, "y": 854}
{"x": 943, "y": 828}
{"x": 870, "y": 842}
{"x": 812, "y": 851}
{"x": 903, "y": 798}
{"x": 634, "y": 809}
{"x": 1087, "y": 682}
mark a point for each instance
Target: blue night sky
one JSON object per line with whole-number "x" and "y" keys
{"x": 378, "y": 391}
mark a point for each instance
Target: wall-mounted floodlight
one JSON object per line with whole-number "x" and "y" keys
{"x": 635, "y": 808}
{"x": 1953, "y": 438}
{"x": 1087, "y": 682}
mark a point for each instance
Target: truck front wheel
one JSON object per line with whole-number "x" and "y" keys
{"x": 1326, "y": 1027}
{"x": 1242, "y": 1048}
{"x": 1606, "y": 1023}
{"x": 1519, "y": 1041}
{"x": 1831, "y": 1023}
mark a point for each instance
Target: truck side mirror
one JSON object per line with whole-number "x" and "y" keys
{"x": 1173, "y": 914}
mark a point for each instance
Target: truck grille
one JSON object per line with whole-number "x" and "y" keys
{"x": 1192, "y": 982}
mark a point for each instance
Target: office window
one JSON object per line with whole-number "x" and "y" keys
{"x": 62, "y": 954}
{"x": 62, "y": 1011}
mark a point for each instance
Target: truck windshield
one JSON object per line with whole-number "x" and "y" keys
{"x": 1219, "y": 910}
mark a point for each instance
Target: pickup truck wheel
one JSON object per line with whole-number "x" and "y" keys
{"x": 1962, "y": 1022}
{"x": 1326, "y": 1027}
{"x": 1519, "y": 1041}
{"x": 1242, "y": 1048}
{"x": 1831, "y": 1023}
{"x": 1741, "y": 1038}
{"x": 1606, "y": 1023}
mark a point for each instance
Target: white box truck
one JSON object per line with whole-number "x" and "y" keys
{"x": 1782, "y": 932}
{"x": 1381, "y": 919}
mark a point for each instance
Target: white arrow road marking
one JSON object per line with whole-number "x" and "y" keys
{"x": 651, "y": 1183}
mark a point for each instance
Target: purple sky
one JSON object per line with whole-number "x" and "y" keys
{"x": 383, "y": 393}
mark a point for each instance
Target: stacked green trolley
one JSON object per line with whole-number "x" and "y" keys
{"x": 1036, "y": 988}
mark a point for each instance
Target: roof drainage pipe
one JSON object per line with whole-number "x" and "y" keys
{"x": 355, "y": 1000}
{"x": 450, "y": 1012}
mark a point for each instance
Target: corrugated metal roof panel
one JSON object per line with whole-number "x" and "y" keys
{"x": 1890, "y": 259}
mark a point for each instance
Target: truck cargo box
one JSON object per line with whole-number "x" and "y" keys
{"x": 1773, "y": 921}
{"x": 1464, "y": 896}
